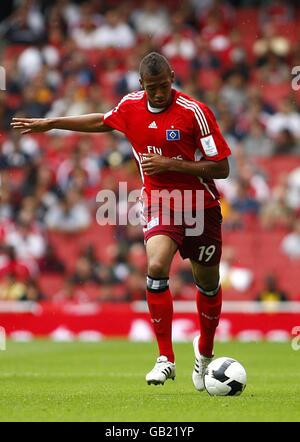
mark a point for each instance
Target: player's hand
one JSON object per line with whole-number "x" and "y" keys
{"x": 31, "y": 125}
{"x": 153, "y": 164}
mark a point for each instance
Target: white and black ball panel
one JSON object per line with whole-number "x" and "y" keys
{"x": 237, "y": 372}
{"x": 225, "y": 377}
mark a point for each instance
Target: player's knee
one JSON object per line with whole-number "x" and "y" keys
{"x": 157, "y": 269}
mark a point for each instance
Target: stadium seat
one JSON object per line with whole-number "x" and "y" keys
{"x": 50, "y": 284}
{"x": 275, "y": 166}
{"x": 289, "y": 30}
{"x": 208, "y": 79}
{"x": 275, "y": 93}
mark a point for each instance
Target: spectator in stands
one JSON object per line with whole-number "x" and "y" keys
{"x": 82, "y": 158}
{"x": 19, "y": 151}
{"x": 151, "y": 20}
{"x": 256, "y": 143}
{"x": 232, "y": 219}
{"x": 237, "y": 57}
{"x": 30, "y": 63}
{"x": 271, "y": 294}
{"x": 293, "y": 195}
{"x": 103, "y": 273}
{"x": 75, "y": 98}
{"x": 70, "y": 215}
{"x": 228, "y": 126}
{"x": 215, "y": 30}
{"x": 27, "y": 239}
{"x": 39, "y": 189}
{"x": 287, "y": 118}
{"x": 232, "y": 274}
{"x": 179, "y": 46}
{"x": 117, "y": 153}
{"x": 51, "y": 263}
{"x": 244, "y": 202}
{"x": 270, "y": 42}
{"x": 38, "y": 96}
{"x": 273, "y": 70}
{"x": 26, "y": 25}
{"x": 115, "y": 32}
{"x": 290, "y": 245}
{"x": 246, "y": 172}
{"x": 285, "y": 143}
{"x": 77, "y": 68}
{"x": 257, "y": 184}
{"x": 11, "y": 289}
{"x": 257, "y": 110}
{"x": 129, "y": 80}
{"x": 32, "y": 292}
{"x": 11, "y": 265}
{"x": 85, "y": 36}
{"x": 276, "y": 213}
{"x": 118, "y": 263}
{"x": 85, "y": 272}
{"x": 204, "y": 58}
{"x": 234, "y": 94}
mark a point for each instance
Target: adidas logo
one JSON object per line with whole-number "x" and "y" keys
{"x": 152, "y": 125}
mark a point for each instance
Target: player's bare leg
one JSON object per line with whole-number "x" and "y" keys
{"x": 160, "y": 252}
{"x": 209, "y": 303}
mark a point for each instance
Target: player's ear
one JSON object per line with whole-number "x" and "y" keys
{"x": 141, "y": 83}
{"x": 172, "y": 76}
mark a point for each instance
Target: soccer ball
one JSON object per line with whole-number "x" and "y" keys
{"x": 225, "y": 377}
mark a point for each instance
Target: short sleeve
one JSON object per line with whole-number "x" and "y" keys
{"x": 116, "y": 118}
{"x": 208, "y": 135}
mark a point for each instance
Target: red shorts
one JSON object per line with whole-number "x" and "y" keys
{"x": 205, "y": 248}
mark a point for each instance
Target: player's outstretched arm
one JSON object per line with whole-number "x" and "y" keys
{"x": 83, "y": 123}
{"x": 153, "y": 164}
{"x": 203, "y": 169}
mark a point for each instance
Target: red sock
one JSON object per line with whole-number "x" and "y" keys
{"x": 161, "y": 311}
{"x": 209, "y": 309}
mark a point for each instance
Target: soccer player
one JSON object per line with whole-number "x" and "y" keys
{"x": 178, "y": 146}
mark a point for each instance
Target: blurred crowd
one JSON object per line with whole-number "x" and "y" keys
{"x": 69, "y": 58}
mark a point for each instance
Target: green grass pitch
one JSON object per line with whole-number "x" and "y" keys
{"x": 46, "y": 381}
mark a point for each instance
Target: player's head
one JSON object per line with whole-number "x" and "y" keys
{"x": 156, "y": 77}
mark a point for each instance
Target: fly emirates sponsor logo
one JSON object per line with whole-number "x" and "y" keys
{"x": 157, "y": 151}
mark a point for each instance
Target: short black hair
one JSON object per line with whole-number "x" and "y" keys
{"x": 153, "y": 64}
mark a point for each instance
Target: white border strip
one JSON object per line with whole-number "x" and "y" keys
{"x": 228, "y": 307}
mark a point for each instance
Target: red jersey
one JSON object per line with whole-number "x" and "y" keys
{"x": 186, "y": 130}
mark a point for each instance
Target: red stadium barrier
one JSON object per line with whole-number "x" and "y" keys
{"x": 246, "y": 321}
